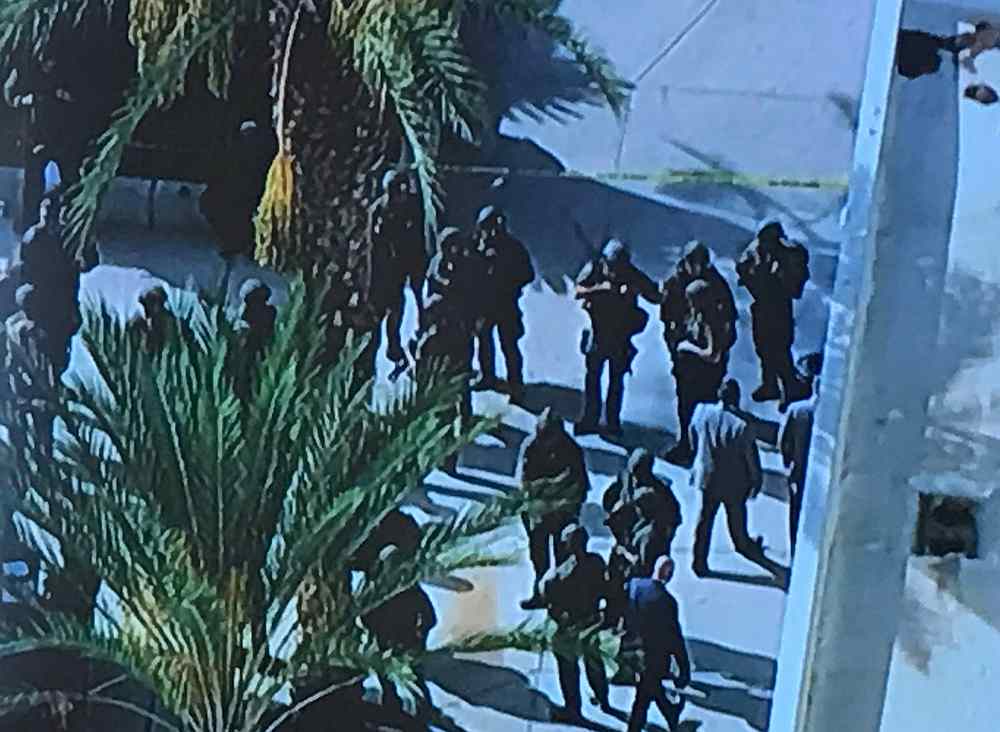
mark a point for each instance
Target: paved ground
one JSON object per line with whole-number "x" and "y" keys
{"x": 733, "y": 623}
{"x": 731, "y": 94}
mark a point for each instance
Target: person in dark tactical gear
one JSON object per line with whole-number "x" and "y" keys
{"x": 654, "y": 617}
{"x": 45, "y": 263}
{"x": 700, "y": 359}
{"x": 39, "y": 88}
{"x": 510, "y": 271}
{"x": 727, "y": 473}
{"x": 775, "y": 273}
{"x": 9, "y": 283}
{"x": 794, "y": 439}
{"x": 397, "y": 528}
{"x": 257, "y": 316}
{"x": 229, "y": 201}
{"x": 643, "y": 516}
{"x": 398, "y": 255}
{"x": 610, "y": 288}
{"x": 402, "y": 624}
{"x": 449, "y": 318}
{"x": 572, "y": 592}
{"x": 22, "y": 326}
{"x": 550, "y": 453}
{"x": 155, "y": 319}
{"x": 696, "y": 264}
{"x": 255, "y": 329}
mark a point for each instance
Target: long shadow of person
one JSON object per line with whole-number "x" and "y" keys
{"x": 748, "y": 668}
{"x": 567, "y": 403}
{"x": 746, "y": 681}
{"x": 736, "y": 702}
{"x": 484, "y": 685}
{"x": 502, "y": 689}
{"x": 778, "y": 579}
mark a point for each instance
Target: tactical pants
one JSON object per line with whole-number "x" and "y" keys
{"x": 393, "y": 704}
{"x": 652, "y": 547}
{"x": 541, "y": 536}
{"x": 773, "y": 333}
{"x": 569, "y": 681}
{"x": 510, "y": 325}
{"x": 795, "y": 489}
{"x": 650, "y": 690}
{"x": 618, "y": 366}
{"x": 394, "y": 311}
{"x": 736, "y": 516}
{"x": 698, "y": 382}
{"x": 33, "y": 187}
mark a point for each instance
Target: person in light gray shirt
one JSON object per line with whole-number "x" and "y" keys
{"x": 727, "y": 471}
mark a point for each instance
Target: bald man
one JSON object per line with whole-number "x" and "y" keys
{"x": 653, "y": 615}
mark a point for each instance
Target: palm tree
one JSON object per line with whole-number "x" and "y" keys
{"x": 358, "y": 85}
{"x": 208, "y": 515}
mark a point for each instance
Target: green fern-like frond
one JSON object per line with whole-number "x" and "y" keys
{"x": 205, "y": 513}
{"x": 543, "y": 15}
{"x": 161, "y": 79}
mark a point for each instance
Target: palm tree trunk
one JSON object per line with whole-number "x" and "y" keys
{"x": 337, "y": 137}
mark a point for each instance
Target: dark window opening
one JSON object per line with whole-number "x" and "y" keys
{"x": 946, "y": 525}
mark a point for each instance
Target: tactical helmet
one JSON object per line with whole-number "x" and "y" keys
{"x": 488, "y": 214}
{"x": 696, "y": 251}
{"x": 729, "y": 392}
{"x": 616, "y": 251}
{"x": 24, "y": 295}
{"x": 770, "y": 229}
{"x": 153, "y": 294}
{"x": 253, "y": 287}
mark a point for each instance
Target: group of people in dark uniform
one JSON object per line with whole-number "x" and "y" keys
{"x": 718, "y": 442}
{"x": 40, "y": 308}
{"x": 468, "y": 290}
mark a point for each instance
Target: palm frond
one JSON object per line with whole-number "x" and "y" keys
{"x": 161, "y": 78}
{"x": 28, "y": 26}
{"x": 544, "y": 15}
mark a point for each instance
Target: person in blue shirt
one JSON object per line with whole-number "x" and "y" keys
{"x": 654, "y": 617}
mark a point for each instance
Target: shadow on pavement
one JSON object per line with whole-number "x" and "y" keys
{"x": 751, "y": 669}
{"x": 755, "y": 676}
{"x": 735, "y": 702}
{"x": 756, "y": 580}
{"x": 483, "y": 685}
{"x": 567, "y": 403}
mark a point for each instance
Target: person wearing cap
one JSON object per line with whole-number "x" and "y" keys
{"x": 727, "y": 473}
{"x": 774, "y": 272}
{"x": 609, "y": 289}
{"x": 572, "y": 592}
{"x": 510, "y": 271}
{"x": 398, "y": 251}
{"x": 653, "y": 616}
{"x": 794, "y": 439}
{"x": 548, "y": 454}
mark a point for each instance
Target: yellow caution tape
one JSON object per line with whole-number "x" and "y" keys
{"x": 662, "y": 177}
